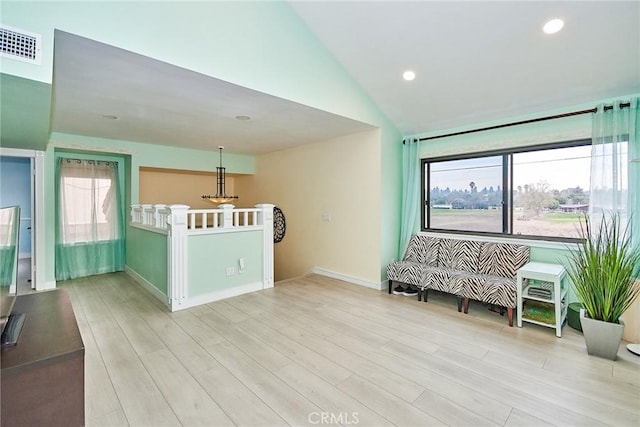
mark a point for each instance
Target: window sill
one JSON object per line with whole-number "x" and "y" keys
{"x": 547, "y": 244}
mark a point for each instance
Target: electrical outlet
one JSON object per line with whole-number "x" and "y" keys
{"x": 241, "y": 265}
{"x": 326, "y": 217}
{"x": 231, "y": 271}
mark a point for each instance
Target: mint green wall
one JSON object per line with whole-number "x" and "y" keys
{"x": 207, "y": 272}
{"x": 260, "y": 45}
{"x": 264, "y": 46}
{"x": 391, "y": 198}
{"x": 24, "y": 113}
{"x": 556, "y": 130}
{"x": 157, "y": 156}
{"x": 147, "y": 256}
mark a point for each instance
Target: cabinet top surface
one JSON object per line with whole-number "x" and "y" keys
{"x": 50, "y": 331}
{"x": 542, "y": 268}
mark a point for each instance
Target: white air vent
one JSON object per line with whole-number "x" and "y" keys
{"x": 21, "y": 45}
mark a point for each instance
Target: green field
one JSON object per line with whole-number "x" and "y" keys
{"x": 553, "y": 224}
{"x": 563, "y": 217}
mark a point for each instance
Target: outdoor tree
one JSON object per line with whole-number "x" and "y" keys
{"x": 537, "y": 197}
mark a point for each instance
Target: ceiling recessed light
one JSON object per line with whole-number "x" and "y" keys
{"x": 108, "y": 116}
{"x": 408, "y": 75}
{"x": 243, "y": 118}
{"x": 553, "y": 26}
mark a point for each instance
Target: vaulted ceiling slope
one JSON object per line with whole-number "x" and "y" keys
{"x": 480, "y": 61}
{"x": 475, "y": 62}
{"x": 107, "y": 92}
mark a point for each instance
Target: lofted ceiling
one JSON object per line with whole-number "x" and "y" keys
{"x": 475, "y": 62}
{"x": 480, "y": 61}
{"x": 107, "y": 92}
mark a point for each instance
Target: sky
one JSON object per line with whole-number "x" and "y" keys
{"x": 560, "y": 168}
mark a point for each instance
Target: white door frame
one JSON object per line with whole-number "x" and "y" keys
{"x": 37, "y": 214}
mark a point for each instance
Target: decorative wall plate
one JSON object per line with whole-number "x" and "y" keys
{"x": 279, "y": 225}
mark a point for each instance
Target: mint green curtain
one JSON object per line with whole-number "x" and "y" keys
{"x": 90, "y": 219}
{"x": 614, "y": 172}
{"x": 634, "y": 167}
{"x": 410, "y": 213}
{"x": 9, "y": 237}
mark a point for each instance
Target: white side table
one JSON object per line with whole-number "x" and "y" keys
{"x": 553, "y": 273}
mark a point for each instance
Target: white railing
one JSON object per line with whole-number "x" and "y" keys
{"x": 154, "y": 216}
{"x": 225, "y": 217}
{"x": 179, "y": 222}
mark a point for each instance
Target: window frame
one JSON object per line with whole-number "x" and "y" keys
{"x": 507, "y": 190}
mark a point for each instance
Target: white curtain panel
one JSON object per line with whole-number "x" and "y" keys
{"x": 609, "y": 192}
{"x": 87, "y": 201}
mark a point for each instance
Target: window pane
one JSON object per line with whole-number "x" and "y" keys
{"x": 466, "y": 194}
{"x": 551, "y": 191}
{"x": 87, "y": 209}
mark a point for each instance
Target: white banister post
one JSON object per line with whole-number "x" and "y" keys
{"x": 158, "y": 217}
{"x": 135, "y": 218}
{"x": 147, "y": 218}
{"x": 227, "y": 215}
{"x": 265, "y": 218}
{"x": 177, "y": 273}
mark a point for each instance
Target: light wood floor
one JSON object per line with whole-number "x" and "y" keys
{"x": 317, "y": 351}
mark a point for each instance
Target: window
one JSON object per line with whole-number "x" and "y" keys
{"x": 539, "y": 192}
{"x": 87, "y": 202}
{"x": 90, "y": 220}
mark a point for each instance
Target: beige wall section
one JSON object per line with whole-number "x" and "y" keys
{"x": 340, "y": 177}
{"x": 632, "y": 323}
{"x": 170, "y": 186}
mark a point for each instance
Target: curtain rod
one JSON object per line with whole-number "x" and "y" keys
{"x": 524, "y": 122}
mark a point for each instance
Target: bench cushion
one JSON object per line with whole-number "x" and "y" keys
{"x": 459, "y": 255}
{"x": 412, "y": 273}
{"x": 445, "y": 280}
{"x": 423, "y": 250}
{"x": 490, "y": 289}
{"x": 502, "y": 259}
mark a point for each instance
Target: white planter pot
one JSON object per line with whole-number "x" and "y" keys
{"x": 602, "y": 338}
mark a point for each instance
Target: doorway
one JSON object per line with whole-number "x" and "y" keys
{"x": 16, "y": 190}
{"x": 19, "y": 170}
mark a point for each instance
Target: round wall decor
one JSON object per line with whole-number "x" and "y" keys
{"x": 279, "y": 225}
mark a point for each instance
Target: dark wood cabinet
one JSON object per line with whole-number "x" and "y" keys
{"x": 42, "y": 377}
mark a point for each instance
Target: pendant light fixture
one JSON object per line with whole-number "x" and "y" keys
{"x": 221, "y": 193}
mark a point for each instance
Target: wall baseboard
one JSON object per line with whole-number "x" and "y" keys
{"x": 46, "y": 286}
{"x": 146, "y": 285}
{"x": 346, "y": 278}
{"x": 195, "y": 301}
{"x": 219, "y": 295}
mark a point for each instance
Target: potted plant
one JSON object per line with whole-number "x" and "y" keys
{"x": 604, "y": 269}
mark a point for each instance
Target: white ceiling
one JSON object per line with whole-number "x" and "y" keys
{"x": 159, "y": 103}
{"x": 480, "y": 61}
{"x": 475, "y": 62}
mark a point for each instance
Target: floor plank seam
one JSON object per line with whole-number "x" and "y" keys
{"x": 372, "y": 348}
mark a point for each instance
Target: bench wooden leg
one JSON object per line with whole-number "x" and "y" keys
{"x": 426, "y": 294}
{"x": 390, "y": 284}
{"x": 466, "y": 305}
{"x": 510, "y": 315}
{"x": 419, "y": 294}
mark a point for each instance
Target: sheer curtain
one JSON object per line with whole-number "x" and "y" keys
{"x": 614, "y": 177}
{"x": 90, "y": 223}
{"x": 410, "y": 193}
{"x": 634, "y": 167}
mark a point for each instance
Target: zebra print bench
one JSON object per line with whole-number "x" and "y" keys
{"x": 469, "y": 269}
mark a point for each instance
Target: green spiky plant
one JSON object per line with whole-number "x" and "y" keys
{"x": 604, "y": 269}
